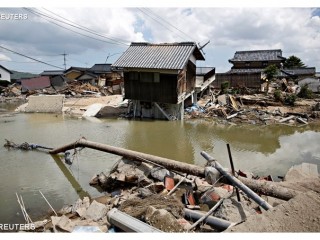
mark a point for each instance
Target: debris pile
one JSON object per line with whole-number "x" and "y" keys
{"x": 146, "y": 193}
{"x": 251, "y": 109}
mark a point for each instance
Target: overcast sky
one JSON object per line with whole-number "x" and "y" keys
{"x": 294, "y": 30}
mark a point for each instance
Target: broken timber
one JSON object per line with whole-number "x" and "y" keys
{"x": 133, "y": 155}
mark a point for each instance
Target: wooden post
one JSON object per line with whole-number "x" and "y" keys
{"x": 134, "y": 155}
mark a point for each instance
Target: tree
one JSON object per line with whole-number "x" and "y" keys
{"x": 270, "y": 73}
{"x": 293, "y": 62}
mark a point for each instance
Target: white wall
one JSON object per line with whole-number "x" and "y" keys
{"x": 4, "y": 75}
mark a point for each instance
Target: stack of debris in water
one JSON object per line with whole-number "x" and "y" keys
{"x": 251, "y": 109}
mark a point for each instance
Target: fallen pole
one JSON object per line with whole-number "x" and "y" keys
{"x": 134, "y": 155}
{"x": 216, "y": 223}
{"x": 268, "y": 188}
{"x": 206, "y": 215}
{"x": 237, "y": 183}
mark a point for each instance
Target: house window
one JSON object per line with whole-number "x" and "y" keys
{"x": 264, "y": 64}
{"x": 0, "y": 75}
{"x": 247, "y": 64}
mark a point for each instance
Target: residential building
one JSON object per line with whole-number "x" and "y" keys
{"x": 5, "y": 74}
{"x": 158, "y": 78}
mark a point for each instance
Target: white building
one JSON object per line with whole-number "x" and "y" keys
{"x": 5, "y": 74}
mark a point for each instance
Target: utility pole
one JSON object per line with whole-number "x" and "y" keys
{"x": 64, "y": 60}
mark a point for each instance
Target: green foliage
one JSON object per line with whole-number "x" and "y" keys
{"x": 224, "y": 87}
{"x": 305, "y": 92}
{"x": 270, "y": 72}
{"x": 290, "y": 99}
{"x": 277, "y": 96}
{"x": 293, "y": 62}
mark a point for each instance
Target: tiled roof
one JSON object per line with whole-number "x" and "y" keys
{"x": 52, "y": 73}
{"x": 158, "y": 56}
{"x": 78, "y": 69}
{"x": 257, "y": 55}
{"x": 101, "y": 68}
{"x": 36, "y": 83}
{"x": 251, "y": 70}
{"x": 300, "y": 71}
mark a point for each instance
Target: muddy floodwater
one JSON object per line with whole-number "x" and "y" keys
{"x": 262, "y": 150}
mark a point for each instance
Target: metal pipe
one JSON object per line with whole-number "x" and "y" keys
{"x": 127, "y": 223}
{"x": 237, "y": 183}
{"x": 216, "y": 223}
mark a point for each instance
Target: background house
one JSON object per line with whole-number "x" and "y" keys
{"x": 5, "y": 75}
{"x": 158, "y": 78}
{"x": 248, "y": 66}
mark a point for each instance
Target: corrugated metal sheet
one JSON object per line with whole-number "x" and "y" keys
{"x": 156, "y": 56}
{"x": 257, "y": 55}
{"x": 36, "y": 83}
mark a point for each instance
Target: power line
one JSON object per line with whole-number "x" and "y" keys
{"x": 30, "y": 57}
{"x": 169, "y": 23}
{"x": 44, "y": 16}
{"x": 159, "y": 22}
{"x": 90, "y": 30}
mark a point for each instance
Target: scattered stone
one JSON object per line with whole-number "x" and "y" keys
{"x": 162, "y": 220}
{"x": 96, "y": 211}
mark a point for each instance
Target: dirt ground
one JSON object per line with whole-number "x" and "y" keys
{"x": 299, "y": 214}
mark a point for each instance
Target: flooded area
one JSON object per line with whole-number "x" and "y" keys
{"x": 262, "y": 150}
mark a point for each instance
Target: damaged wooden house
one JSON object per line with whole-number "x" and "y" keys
{"x": 158, "y": 78}
{"x": 248, "y": 66}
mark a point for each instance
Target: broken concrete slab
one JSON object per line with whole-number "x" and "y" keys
{"x": 96, "y": 211}
{"x": 92, "y": 110}
{"x": 45, "y": 104}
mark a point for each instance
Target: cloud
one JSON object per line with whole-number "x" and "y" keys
{"x": 294, "y": 30}
{"x": 4, "y": 57}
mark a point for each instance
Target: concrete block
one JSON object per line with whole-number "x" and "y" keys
{"x": 45, "y": 104}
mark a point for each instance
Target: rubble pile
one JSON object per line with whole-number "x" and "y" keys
{"x": 165, "y": 200}
{"x": 252, "y": 109}
{"x": 74, "y": 88}
{"x": 79, "y": 89}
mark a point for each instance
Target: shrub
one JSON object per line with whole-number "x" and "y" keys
{"x": 277, "y": 96}
{"x": 305, "y": 92}
{"x": 290, "y": 99}
{"x": 224, "y": 86}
